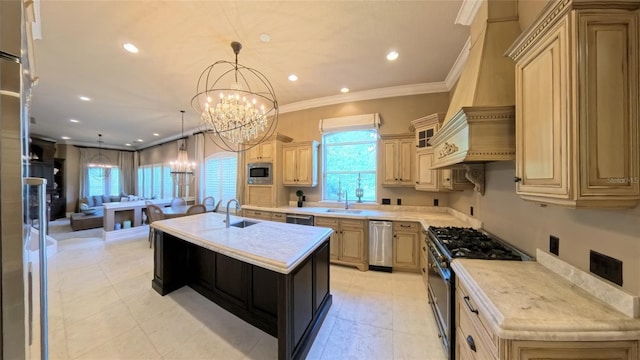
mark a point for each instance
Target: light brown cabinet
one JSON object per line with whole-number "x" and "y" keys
{"x": 273, "y": 195}
{"x": 347, "y": 243}
{"x": 264, "y": 215}
{"x": 577, "y": 122}
{"x": 263, "y": 152}
{"x": 300, "y": 164}
{"x": 406, "y": 239}
{"x": 398, "y": 160}
{"x": 476, "y": 340}
{"x": 426, "y": 178}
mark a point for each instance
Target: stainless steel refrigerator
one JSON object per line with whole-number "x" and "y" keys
{"x": 17, "y": 293}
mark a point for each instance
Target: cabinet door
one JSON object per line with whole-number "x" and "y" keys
{"x": 405, "y": 250}
{"x": 267, "y": 151}
{"x": 427, "y": 178}
{"x": 352, "y": 245}
{"x": 542, "y": 117}
{"x": 253, "y": 154}
{"x": 389, "y": 158}
{"x": 334, "y": 241}
{"x": 424, "y": 134}
{"x": 304, "y": 173}
{"x": 289, "y": 166}
{"x": 406, "y": 168}
{"x": 571, "y": 350}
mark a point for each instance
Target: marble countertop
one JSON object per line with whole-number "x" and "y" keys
{"x": 272, "y": 245}
{"x": 427, "y": 216}
{"x": 133, "y": 204}
{"x": 526, "y": 300}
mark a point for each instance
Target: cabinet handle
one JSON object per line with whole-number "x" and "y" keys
{"x": 405, "y": 226}
{"x": 395, "y": 236}
{"x": 424, "y": 248}
{"x": 517, "y": 179}
{"x": 400, "y": 179}
{"x": 423, "y": 270}
{"x": 447, "y": 179}
{"x": 396, "y": 179}
{"x": 417, "y": 182}
{"x": 472, "y": 344}
{"x": 466, "y": 300}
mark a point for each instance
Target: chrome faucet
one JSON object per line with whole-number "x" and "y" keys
{"x": 346, "y": 200}
{"x": 237, "y": 209}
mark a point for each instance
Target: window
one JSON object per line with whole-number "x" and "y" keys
{"x": 346, "y": 155}
{"x": 155, "y": 181}
{"x": 221, "y": 172}
{"x": 103, "y": 181}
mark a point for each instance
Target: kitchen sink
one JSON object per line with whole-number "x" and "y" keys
{"x": 344, "y": 211}
{"x": 243, "y": 224}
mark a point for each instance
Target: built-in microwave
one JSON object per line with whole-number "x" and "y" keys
{"x": 260, "y": 173}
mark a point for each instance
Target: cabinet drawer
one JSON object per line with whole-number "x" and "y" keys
{"x": 258, "y": 214}
{"x": 462, "y": 349}
{"x": 406, "y": 226}
{"x": 279, "y": 217}
{"x": 470, "y": 337}
{"x": 327, "y": 222}
{"x": 467, "y": 309}
{"x": 352, "y": 224}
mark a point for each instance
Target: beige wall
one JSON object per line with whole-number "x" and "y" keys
{"x": 396, "y": 114}
{"x": 528, "y": 225}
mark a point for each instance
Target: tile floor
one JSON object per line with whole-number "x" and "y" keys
{"x": 101, "y": 306}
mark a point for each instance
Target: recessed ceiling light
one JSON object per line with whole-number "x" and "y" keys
{"x": 127, "y": 144}
{"x": 65, "y": 138}
{"x": 344, "y": 90}
{"x": 156, "y": 134}
{"x": 265, "y": 38}
{"x": 139, "y": 140}
{"x": 130, "y": 48}
{"x": 392, "y": 55}
{"x": 293, "y": 77}
{"x": 74, "y": 120}
{"x": 84, "y": 98}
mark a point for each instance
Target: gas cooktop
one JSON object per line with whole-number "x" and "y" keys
{"x": 470, "y": 243}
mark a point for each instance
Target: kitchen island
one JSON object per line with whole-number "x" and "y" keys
{"x": 274, "y": 276}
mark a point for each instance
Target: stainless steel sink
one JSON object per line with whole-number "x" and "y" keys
{"x": 243, "y": 224}
{"x": 344, "y": 211}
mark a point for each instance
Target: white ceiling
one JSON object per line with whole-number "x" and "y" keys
{"x": 328, "y": 44}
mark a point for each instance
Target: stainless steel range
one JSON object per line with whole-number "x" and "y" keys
{"x": 445, "y": 244}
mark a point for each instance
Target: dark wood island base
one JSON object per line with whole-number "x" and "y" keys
{"x": 290, "y": 306}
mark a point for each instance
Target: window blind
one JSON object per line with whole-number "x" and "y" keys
{"x": 348, "y": 123}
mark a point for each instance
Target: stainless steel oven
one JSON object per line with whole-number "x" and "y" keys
{"x": 441, "y": 283}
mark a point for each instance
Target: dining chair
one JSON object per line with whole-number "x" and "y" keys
{"x": 215, "y": 208}
{"x": 154, "y": 213}
{"x": 209, "y": 201}
{"x": 178, "y": 202}
{"x": 196, "y": 209}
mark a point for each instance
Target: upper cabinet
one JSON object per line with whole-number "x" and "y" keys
{"x": 398, "y": 160}
{"x": 263, "y": 152}
{"x": 577, "y": 127}
{"x": 300, "y": 164}
{"x": 428, "y": 179}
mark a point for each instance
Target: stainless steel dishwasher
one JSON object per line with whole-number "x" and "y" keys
{"x": 380, "y": 245}
{"x": 300, "y": 219}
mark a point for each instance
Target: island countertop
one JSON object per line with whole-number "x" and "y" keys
{"x": 275, "y": 246}
{"x": 526, "y": 300}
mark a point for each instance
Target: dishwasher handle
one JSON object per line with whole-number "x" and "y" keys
{"x": 301, "y": 217}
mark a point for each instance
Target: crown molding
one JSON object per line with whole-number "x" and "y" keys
{"x": 394, "y": 91}
{"x": 458, "y": 65}
{"x": 468, "y": 11}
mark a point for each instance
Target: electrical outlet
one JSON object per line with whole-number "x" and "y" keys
{"x": 605, "y": 267}
{"x": 554, "y": 245}
{"x": 435, "y": 202}
{"x": 471, "y": 210}
{"x": 386, "y": 201}
{"x": 398, "y": 201}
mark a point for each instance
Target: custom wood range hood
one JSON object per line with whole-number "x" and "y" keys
{"x": 480, "y": 123}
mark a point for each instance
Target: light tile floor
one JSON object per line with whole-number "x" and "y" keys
{"x": 101, "y": 306}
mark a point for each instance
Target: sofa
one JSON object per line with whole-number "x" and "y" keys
{"x": 83, "y": 220}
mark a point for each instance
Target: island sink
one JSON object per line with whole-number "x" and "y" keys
{"x": 243, "y": 224}
{"x": 344, "y": 211}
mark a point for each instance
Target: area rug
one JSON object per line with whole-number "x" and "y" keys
{"x": 61, "y": 230}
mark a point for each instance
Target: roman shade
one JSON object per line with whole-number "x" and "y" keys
{"x": 347, "y": 123}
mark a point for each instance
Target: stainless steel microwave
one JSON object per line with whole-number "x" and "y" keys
{"x": 260, "y": 173}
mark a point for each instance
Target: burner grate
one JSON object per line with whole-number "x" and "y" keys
{"x": 471, "y": 243}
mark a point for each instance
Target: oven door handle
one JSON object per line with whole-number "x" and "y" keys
{"x": 466, "y": 301}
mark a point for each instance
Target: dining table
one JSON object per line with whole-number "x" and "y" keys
{"x": 171, "y": 212}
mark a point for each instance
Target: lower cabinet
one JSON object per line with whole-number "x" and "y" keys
{"x": 348, "y": 244}
{"x": 406, "y": 238}
{"x": 476, "y": 340}
{"x": 257, "y": 214}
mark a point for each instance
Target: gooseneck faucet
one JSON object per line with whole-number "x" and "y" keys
{"x": 346, "y": 200}
{"x": 228, "y": 206}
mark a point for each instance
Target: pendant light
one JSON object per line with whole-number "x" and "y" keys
{"x": 182, "y": 168}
